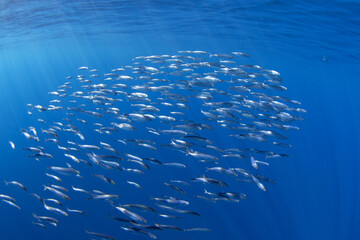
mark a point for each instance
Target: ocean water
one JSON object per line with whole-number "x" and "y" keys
{"x": 315, "y": 45}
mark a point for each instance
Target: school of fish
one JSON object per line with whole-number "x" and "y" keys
{"x": 219, "y": 119}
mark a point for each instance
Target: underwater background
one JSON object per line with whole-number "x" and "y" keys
{"x": 315, "y": 45}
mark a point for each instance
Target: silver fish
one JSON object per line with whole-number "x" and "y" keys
{"x": 131, "y": 215}
{"x": 11, "y": 203}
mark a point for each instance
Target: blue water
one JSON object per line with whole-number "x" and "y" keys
{"x": 315, "y": 45}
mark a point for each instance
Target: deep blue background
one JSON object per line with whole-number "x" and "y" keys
{"x": 316, "y": 195}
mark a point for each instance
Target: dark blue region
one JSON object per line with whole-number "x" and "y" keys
{"x": 322, "y": 27}
{"x": 315, "y": 47}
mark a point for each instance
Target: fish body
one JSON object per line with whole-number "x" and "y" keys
{"x": 12, "y": 144}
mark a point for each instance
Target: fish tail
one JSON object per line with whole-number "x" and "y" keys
{"x": 188, "y": 151}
